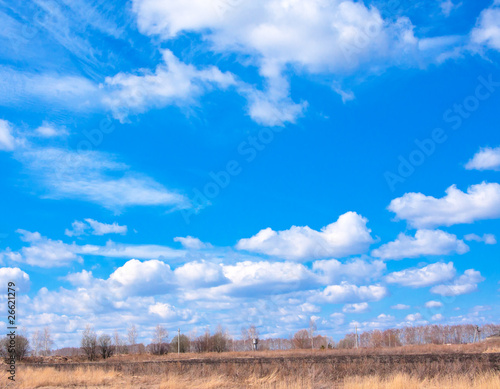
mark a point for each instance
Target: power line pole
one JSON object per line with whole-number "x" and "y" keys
{"x": 179, "y": 341}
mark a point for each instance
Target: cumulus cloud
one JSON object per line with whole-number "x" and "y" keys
{"x": 425, "y": 242}
{"x": 200, "y": 275}
{"x": 424, "y": 276}
{"x": 264, "y": 277}
{"x": 347, "y": 236}
{"x": 348, "y": 293}
{"x": 315, "y": 37}
{"x": 190, "y": 242}
{"x": 487, "y": 30}
{"x": 486, "y": 158}
{"x": 97, "y": 228}
{"x": 172, "y": 83}
{"x": 356, "y": 308}
{"x": 433, "y": 304}
{"x": 169, "y": 312}
{"x": 481, "y": 202}
{"x": 356, "y": 270}
{"x": 466, "y": 283}
{"x": 486, "y": 238}
{"x": 143, "y": 278}
{"x": 437, "y": 317}
{"x": 49, "y": 130}
{"x": 16, "y": 275}
{"x": 42, "y": 252}
{"x": 414, "y": 317}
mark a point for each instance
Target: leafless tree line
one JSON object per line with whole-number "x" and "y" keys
{"x": 420, "y": 335}
{"x": 103, "y": 346}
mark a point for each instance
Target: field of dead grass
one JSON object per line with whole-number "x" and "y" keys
{"x": 90, "y": 378}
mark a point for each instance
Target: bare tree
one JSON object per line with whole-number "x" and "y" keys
{"x": 105, "y": 346}
{"x": 119, "y": 344}
{"x": 36, "y": 342}
{"x": 47, "y": 341}
{"x": 132, "y": 337}
{"x": 160, "y": 336}
{"x": 89, "y": 343}
{"x": 301, "y": 339}
{"x": 312, "y": 329}
{"x": 249, "y": 334}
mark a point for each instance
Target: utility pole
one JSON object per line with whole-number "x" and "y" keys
{"x": 356, "y": 336}
{"x": 179, "y": 341}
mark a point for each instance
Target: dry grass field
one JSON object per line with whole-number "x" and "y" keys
{"x": 453, "y": 367}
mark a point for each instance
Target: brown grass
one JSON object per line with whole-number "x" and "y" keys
{"x": 49, "y": 378}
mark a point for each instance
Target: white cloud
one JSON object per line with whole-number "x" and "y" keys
{"x": 200, "y": 275}
{"x": 486, "y": 238}
{"x": 267, "y": 277}
{"x": 169, "y": 312}
{"x": 486, "y": 158}
{"x": 437, "y": 317}
{"x": 48, "y": 130}
{"x": 83, "y": 278}
{"x": 414, "y": 317}
{"x": 97, "y": 228}
{"x": 348, "y": 293}
{"x": 347, "y": 236}
{"x": 481, "y": 202}
{"x": 315, "y": 37}
{"x": 172, "y": 83}
{"x": 16, "y": 275}
{"x": 42, "y": 252}
{"x": 400, "y": 306}
{"x": 192, "y": 243}
{"x": 143, "y": 278}
{"x": 425, "y": 242}
{"x": 356, "y": 270}
{"x": 95, "y": 177}
{"x": 117, "y": 250}
{"x": 447, "y": 6}
{"x": 422, "y": 277}
{"x": 66, "y": 91}
{"x": 337, "y": 318}
{"x": 487, "y": 30}
{"x": 466, "y": 283}
{"x": 433, "y": 304}
{"x": 356, "y": 308}
{"x": 7, "y": 141}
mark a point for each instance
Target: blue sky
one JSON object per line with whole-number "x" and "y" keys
{"x": 196, "y": 163}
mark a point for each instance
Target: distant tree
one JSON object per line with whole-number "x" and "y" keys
{"x": 301, "y": 339}
{"x": 312, "y": 330}
{"x": 36, "y": 343}
{"x": 248, "y": 335}
{"x": 105, "y": 346}
{"x": 47, "y": 341}
{"x": 89, "y": 343}
{"x": 184, "y": 344}
{"x": 159, "y": 344}
{"x": 19, "y": 351}
{"x": 219, "y": 341}
{"x": 132, "y": 338}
